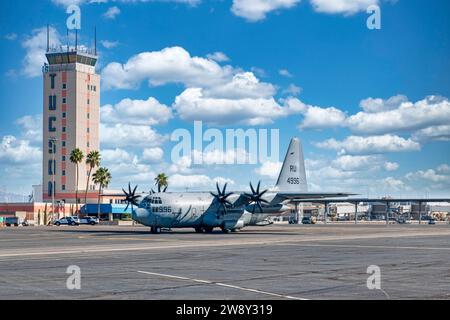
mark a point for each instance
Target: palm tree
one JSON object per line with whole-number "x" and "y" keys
{"x": 92, "y": 160}
{"x": 76, "y": 156}
{"x": 161, "y": 180}
{"x": 102, "y": 177}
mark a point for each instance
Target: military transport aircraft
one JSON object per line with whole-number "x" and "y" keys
{"x": 229, "y": 211}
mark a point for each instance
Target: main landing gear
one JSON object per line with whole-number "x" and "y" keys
{"x": 204, "y": 229}
{"x": 155, "y": 230}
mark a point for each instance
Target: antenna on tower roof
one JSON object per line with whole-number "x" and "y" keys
{"x": 95, "y": 40}
{"x": 68, "y": 41}
{"x": 48, "y": 38}
{"x": 76, "y": 40}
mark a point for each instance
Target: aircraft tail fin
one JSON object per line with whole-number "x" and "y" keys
{"x": 292, "y": 175}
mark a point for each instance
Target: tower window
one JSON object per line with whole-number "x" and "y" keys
{"x": 64, "y": 100}
{"x": 52, "y": 80}
{"x": 64, "y": 115}
{"x": 64, "y": 172}
{"x": 63, "y": 187}
{"x": 51, "y": 147}
{"x": 64, "y": 86}
{"x": 50, "y": 188}
{"x": 88, "y": 115}
{"x": 87, "y": 130}
{"x": 88, "y": 101}
{"x": 51, "y": 168}
{"x": 51, "y": 127}
{"x": 52, "y": 102}
{"x": 63, "y": 143}
{"x": 63, "y": 129}
{"x": 63, "y": 158}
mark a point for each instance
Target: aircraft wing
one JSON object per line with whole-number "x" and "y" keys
{"x": 287, "y": 195}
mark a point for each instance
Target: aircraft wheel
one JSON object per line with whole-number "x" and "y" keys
{"x": 198, "y": 229}
{"x": 155, "y": 230}
{"x": 209, "y": 229}
{"x": 225, "y": 230}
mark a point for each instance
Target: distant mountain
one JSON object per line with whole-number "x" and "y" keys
{"x": 12, "y": 197}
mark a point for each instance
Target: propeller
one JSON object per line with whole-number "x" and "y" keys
{"x": 130, "y": 196}
{"x": 221, "y": 198}
{"x": 256, "y": 197}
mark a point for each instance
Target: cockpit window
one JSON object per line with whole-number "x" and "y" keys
{"x": 145, "y": 203}
{"x": 156, "y": 200}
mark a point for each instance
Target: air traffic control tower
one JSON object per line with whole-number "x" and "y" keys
{"x": 70, "y": 120}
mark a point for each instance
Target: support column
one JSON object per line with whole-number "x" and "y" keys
{"x": 296, "y": 212}
{"x": 326, "y": 213}
{"x": 420, "y": 212}
{"x": 356, "y": 212}
{"x": 300, "y": 215}
{"x": 387, "y": 212}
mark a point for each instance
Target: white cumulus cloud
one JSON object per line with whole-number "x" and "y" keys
{"x": 370, "y": 145}
{"x": 140, "y": 112}
{"x": 255, "y": 10}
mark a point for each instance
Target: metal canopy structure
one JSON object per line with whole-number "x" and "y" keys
{"x": 355, "y": 201}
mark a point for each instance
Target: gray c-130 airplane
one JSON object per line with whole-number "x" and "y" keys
{"x": 230, "y": 211}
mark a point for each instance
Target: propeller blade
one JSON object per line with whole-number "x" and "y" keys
{"x": 260, "y": 208}
{"x": 127, "y": 206}
{"x": 218, "y": 189}
{"x": 257, "y": 188}
{"x": 224, "y": 188}
{"x": 228, "y": 194}
{"x": 134, "y": 190}
{"x": 251, "y": 187}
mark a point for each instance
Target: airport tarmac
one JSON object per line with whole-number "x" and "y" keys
{"x": 271, "y": 262}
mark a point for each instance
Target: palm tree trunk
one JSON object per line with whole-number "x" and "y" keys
{"x": 87, "y": 185}
{"x": 76, "y": 194}
{"x": 98, "y": 203}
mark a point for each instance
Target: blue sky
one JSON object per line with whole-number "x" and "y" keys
{"x": 371, "y": 106}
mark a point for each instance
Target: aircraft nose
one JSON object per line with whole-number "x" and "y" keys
{"x": 138, "y": 214}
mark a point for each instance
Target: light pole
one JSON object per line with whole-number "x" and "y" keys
{"x": 53, "y": 146}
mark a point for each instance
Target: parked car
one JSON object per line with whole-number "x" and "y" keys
{"x": 88, "y": 220}
{"x": 75, "y": 218}
{"x": 432, "y": 221}
{"x": 11, "y": 221}
{"x": 67, "y": 221}
{"x": 306, "y": 220}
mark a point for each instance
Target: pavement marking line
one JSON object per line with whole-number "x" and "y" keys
{"x": 195, "y": 244}
{"x": 364, "y": 246}
{"x": 220, "y": 284}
